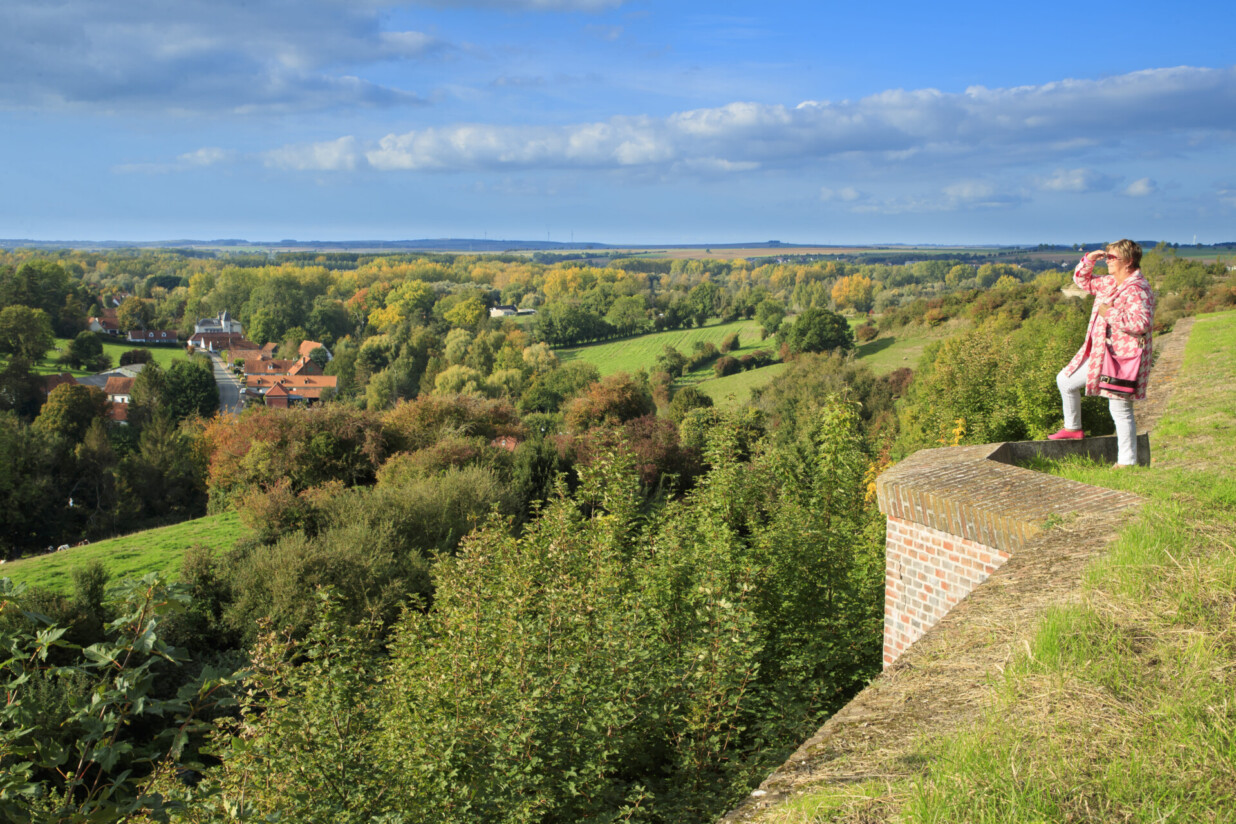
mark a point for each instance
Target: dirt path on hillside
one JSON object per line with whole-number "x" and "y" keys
{"x": 946, "y": 679}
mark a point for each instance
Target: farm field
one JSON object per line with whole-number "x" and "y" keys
{"x": 153, "y": 550}
{"x": 632, "y": 354}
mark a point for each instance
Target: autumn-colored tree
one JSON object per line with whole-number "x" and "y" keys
{"x": 467, "y": 314}
{"x": 134, "y": 313}
{"x": 854, "y": 291}
{"x": 617, "y": 398}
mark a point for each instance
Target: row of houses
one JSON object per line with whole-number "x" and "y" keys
{"x": 212, "y": 334}
{"x": 282, "y": 382}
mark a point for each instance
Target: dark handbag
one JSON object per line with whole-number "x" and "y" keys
{"x": 1119, "y": 373}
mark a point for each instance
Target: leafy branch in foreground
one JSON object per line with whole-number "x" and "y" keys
{"x": 85, "y": 730}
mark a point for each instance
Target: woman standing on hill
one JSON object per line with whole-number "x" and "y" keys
{"x": 1117, "y": 341}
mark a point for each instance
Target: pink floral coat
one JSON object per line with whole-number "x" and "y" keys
{"x": 1130, "y": 319}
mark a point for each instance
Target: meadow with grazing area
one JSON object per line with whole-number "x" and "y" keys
{"x": 129, "y": 556}
{"x": 633, "y": 354}
{"x": 162, "y": 355}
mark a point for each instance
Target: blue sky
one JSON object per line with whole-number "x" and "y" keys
{"x": 618, "y": 121}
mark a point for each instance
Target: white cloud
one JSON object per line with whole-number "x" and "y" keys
{"x": 847, "y": 194}
{"x": 1141, "y": 188}
{"x": 206, "y": 156}
{"x": 201, "y": 55}
{"x": 909, "y": 127}
{"x": 1075, "y": 180}
{"x": 330, "y": 156}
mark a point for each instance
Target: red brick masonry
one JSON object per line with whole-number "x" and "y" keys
{"x": 955, "y": 515}
{"x": 926, "y": 573}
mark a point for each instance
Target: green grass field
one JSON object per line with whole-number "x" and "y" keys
{"x": 163, "y": 355}
{"x": 633, "y": 354}
{"x": 1121, "y": 706}
{"x": 129, "y": 556}
{"x": 883, "y": 354}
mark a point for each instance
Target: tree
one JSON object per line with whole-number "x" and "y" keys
{"x": 769, "y": 314}
{"x": 191, "y": 390}
{"x": 86, "y": 352}
{"x": 20, "y": 390}
{"x": 467, "y": 314}
{"x": 856, "y": 291}
{"x": 819, "y": 330}
{"x": 629, "y": 316}
{"x": 147, "y": 396}
{"x": 134, "y": 313}
{"x": 320, "y": 356}
{"x": 704, "y": 300}
{"x": 25, "y": 332}
{"x": 617, "y": 398}
{"x": 71, "y": 408}
{"x": 685, "y": 400}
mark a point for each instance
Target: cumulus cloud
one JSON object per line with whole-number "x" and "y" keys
{"x": 1141, "y": 188}
{"x": 329, "y": 156}
{"x": 201, "y": 55}
{"x": 1076, "y": 180}
{"x": 894, "y": 126}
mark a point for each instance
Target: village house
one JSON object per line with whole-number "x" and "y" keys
{"x": 151, "y": 336}
{"x": 107, "y": 323}
{"x": 223, "y": 324}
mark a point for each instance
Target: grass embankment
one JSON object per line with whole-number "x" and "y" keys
{"x": 1122, "y": 707}
{"x": 130, "y": 556}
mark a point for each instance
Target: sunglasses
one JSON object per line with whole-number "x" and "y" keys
{"x": 1110, "y": 256}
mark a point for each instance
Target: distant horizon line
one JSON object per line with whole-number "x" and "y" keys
{"x": 449, "y": 244}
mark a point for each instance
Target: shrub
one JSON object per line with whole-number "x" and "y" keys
{"x": 730, "y": 342}
{"x": 132, "y": 356}
{"x": 615, "y": 399}
{"x": 726, "y": 366}
{"x": 865, "y": 332}
{"x": 685, "y": 400}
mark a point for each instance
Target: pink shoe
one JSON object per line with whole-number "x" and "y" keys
{"x": 1068, "y": 435}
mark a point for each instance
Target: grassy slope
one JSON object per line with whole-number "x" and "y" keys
{"x": 1121, "y": 708}
{"x": 154, "y": 550}
{"x": 632, "y": 354}
{"x": 883, "y": 355}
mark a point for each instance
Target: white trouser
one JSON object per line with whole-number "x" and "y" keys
{"x": 1071, "y": 387}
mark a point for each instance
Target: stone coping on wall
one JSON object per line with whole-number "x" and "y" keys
{"x": 980, "y": 493}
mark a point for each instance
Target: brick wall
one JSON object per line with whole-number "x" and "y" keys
{"x": 926, "y": 573}
{"x": 955, "y": 515}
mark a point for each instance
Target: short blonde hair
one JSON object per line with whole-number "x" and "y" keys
{"x": 1130, "y": 250}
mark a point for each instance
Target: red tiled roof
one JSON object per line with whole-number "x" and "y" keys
{"x": 50, "y": 382}
{"x": 308, "y": 346}
{"x": 117, "y": 385}
{"x": 119, "y": 412}
{"x": 221, "y": 340}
